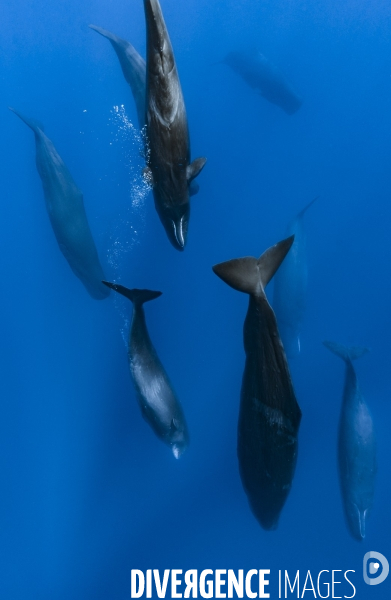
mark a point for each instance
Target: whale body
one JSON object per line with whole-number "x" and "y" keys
{"x": 65, "y": 207}
{"x": 269, "y": 415}
{"x": 158, "y": 402}
{"x": 357, "y": 463}
{"x": 133, "y": 67}
{"x": 290, "y": 287}
{"x": 169, "y": 170}
{"x": 260, "y": 74}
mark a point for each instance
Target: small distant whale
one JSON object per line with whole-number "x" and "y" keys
{"x": 260, "y": 74}
{"x": 158, "y": 402}
{"x": 133, "y": 67}
{"x": 290, "y": 287}
{"x": 168, "y": 170}
{"x": 269, "y": 415}
{"x": 65, "y": 206}
{"x": 356, "y": 447}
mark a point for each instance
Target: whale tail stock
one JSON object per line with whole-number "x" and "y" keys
{"x": 251, "y": 275}
{"x": 36, "y": 126}
{"x": 347, "y": 353}
{"x": 138, "y": 297}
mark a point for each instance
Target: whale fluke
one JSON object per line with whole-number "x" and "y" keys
{"x": 251, "y": 275}
{"x": 136, "y": 296}
{"x": 32, "y": 123}
{"x": 345, "y": 352}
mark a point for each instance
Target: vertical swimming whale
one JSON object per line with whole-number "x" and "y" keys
{"x": 168, "y": 170}
{"x": 156, "y": 397}
{"x": 133, "y": 67}
{"x": 356, "y": 446}
{"x": 269, "y": 415}
{"x": 65, "y": 207}
{"x": 290, "y": 287}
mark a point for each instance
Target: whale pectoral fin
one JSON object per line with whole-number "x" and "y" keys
{"x": 147, "y": 175}
{"x": 195, "y": 168}
{"x": 194, "y": 188}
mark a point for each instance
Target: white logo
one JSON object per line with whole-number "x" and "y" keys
{"x": 375, "y": 560}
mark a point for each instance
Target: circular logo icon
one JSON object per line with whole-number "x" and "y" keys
{"x": 375, "y": 564}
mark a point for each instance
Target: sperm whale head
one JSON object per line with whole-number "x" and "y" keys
{"x": 176, "y": 223}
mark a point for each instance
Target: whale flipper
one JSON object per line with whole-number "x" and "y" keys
{"x": 345, "y": 352}
{"x": 194, "y": 188}
{"x": 195, "y": 168}
{"x": 251, "y": 275}
{"x": 136, "y": 296}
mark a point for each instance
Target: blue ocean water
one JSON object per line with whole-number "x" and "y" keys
{"x": 88, "y": 492}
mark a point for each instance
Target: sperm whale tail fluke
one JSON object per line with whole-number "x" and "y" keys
{"x": 36, "y": 126}
{"x": 138, "y": 297}
{"x": 347, "y": 353}
{"x": 251, "y": 275}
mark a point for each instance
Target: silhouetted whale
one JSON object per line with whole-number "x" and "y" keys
{"x": 168, "y": 161}
{"x": 65, "y": 206}
{"x": 262, "y": 75}
{"x": 290, "y": 287}
{"x": 133, "y": 67}
{"x": 269, "y": 415}
{"x": 356, "y": 446}
{"x": 158, "y": 402}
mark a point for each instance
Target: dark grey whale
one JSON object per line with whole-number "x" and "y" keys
{"x": 269, "y": 415}
{"x": 133, "y": 67}
{"x": 290, "y": 287}
{"x": 158, "y": 402}
{"x": 168, "y": 161}
{"x": 260, "y": 74}
{"x": 65, "y": 207}
{"x": 356, "y": 446}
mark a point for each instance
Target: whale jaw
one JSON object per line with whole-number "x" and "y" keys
{"x": 176, "y": 225}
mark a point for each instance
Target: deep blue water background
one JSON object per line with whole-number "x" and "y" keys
{"x": 88, "y": 492}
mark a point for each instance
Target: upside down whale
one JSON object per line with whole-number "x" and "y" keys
{"x": 169, "y": 169}
{"x": 269, "y": 415}
{"x": 357, "y": 463}
{"x": 156, "y": 397}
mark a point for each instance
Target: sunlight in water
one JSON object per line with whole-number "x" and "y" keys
{"x": 130, "y": 224}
